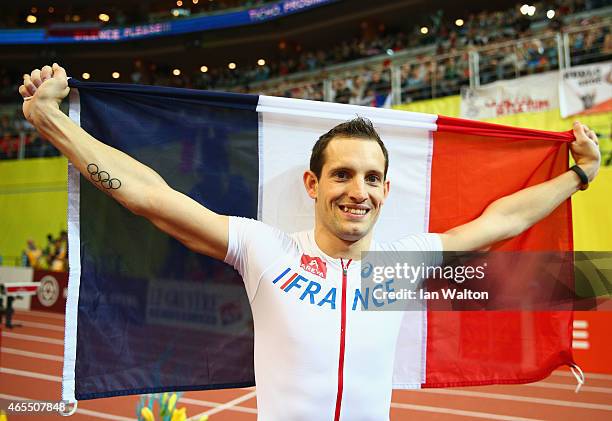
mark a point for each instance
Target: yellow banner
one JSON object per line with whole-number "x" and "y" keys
{"x": 33, "y": 203}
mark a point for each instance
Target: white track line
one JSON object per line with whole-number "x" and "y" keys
{"x": 30, "y": 374}
{"x": 217, "y": 407}
{"x": 517, "y": 398}
{"x": 102, "y": 415}
{"x": 46, "y": 326}
{"x": 49, "y": 315}
{"x": 473, "y": 414}
{"x": 547, "y": 385}
{"x": 32, "y": 338}
{"x": 78, "y": 411}
{"x": 200, "y": 402}
{"x": 31, "y": 354}
{"x": 587, "y": 375}
{"x": 225, "y": 406}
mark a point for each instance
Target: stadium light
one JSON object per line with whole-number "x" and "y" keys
{"x": 203, "y": 69}
{"x": 232, "y": 65}
{"x": 531, "y": 10}
{"x": 176, "y": 72}
{"x": 459, "y": 22}
{"x": 115, "y": 75}
{"x": 261, "y": 62}
{"x": 85, "y": 75}
{"x": 424, "y": 30}
{"x": 524, "y": 8}
{"x": 550, "y": 14}
{"x": 103, "y": 17}
{"x": 31, "y": 19}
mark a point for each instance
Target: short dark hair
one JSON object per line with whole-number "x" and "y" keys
{"x": 358, "y": 127}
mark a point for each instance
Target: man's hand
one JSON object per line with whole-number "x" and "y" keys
{"x": 585, "y": 150}
{"x": 47, "y": 86}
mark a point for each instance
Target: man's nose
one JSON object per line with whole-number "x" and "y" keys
{"x": 358, "y": 192}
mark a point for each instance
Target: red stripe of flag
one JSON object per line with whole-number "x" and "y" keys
{"x": 468, "y": 173}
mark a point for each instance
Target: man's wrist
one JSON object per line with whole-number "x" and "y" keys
{"x": 42, "y": 109}
{"x": 581, "y": 176}
{"x": 590, "y": 169}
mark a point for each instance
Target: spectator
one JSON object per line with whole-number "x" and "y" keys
{"x": 33, "y": 254}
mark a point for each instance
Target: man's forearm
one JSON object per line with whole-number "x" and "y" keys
{"x": 110, "y": 170}
{"x": 528, "y": 206}
{"x": 513, "y": 214}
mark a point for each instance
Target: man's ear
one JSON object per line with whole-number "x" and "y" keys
{"x": 311, "y": 183}
{"x": 386, "y": 187}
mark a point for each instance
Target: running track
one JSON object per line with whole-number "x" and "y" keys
{"x": 31, "y": 366}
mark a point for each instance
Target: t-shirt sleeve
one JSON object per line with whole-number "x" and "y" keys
{"x": 252, "y": 248}
{"x": 427, "y": 247}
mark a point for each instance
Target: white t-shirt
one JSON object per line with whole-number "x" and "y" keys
{"x": 295, "y": 291}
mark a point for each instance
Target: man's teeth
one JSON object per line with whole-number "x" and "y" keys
{"x": 354, "y": 211}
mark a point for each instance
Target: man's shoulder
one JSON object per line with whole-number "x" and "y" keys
{"x": 413, "y": 242}
{"x": 260, "y": 232}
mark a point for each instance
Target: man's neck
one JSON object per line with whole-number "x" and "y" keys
{"x": 338, "y": 248}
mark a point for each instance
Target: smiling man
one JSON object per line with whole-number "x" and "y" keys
{"x": 347, "y": 180}
{"x": 317, "y": 354}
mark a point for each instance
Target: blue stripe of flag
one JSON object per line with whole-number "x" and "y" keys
{"x": 152, "y": 315}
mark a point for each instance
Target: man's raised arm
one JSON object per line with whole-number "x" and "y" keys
{"x": 513, "y": 214}
{"x": 134, "y": 185}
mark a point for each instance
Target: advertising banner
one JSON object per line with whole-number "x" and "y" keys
{"x": 52, "y": 292}
{"x": 198, "y": 23}
{"x": 524, "y": 95}
{"x": 586, "y": 89}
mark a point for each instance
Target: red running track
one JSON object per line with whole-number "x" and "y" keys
{"x": 31, "y": 367}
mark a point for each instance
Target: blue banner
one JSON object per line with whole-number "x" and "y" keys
{"x": 174, "y": 27}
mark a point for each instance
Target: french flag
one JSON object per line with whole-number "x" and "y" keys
{"x": 146, "y": 315}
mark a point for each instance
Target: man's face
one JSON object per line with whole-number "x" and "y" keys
{"x": 351, "y": 190}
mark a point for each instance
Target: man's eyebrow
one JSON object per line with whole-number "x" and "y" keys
{"x": 340, "y": 168}
{"x": 350, "y": 170}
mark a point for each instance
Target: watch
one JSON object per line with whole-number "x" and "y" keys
{"x": 584, "y": 179}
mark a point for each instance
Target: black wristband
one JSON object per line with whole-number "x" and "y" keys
{"x": 584, "y": 179}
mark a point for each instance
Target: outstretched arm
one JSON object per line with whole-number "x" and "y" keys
{"x": 134, "y": 185}
{"x": 513, "y": 214}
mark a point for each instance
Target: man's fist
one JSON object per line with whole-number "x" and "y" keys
{"x": 585, "y": 150}
{"x": 48, "y": 85}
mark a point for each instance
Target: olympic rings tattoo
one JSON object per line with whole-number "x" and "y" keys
{"x": 103, "y": 178}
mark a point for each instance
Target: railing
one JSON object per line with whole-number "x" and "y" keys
{"x": 25, "y": 144}
{"x": 586, "y": 45}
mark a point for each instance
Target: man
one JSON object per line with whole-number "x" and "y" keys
{"x": 316, "y": 355}
{"x": 8, "y": 311}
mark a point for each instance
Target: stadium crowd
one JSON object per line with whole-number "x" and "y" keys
{"x": 15, "y": 131}
{"x": 54, "y": 256}
{"x": 443, "y": 35}
{"x": 439, "y": 70}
